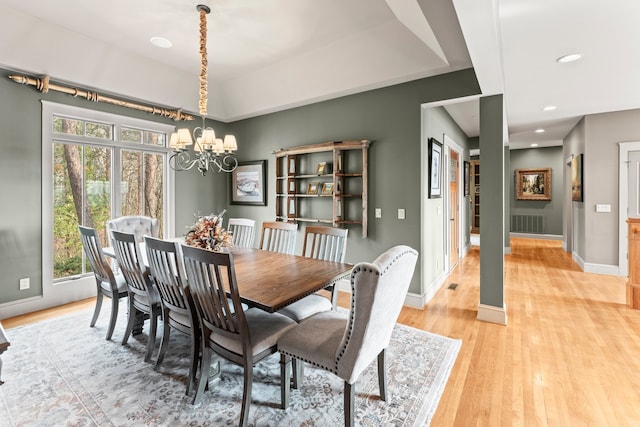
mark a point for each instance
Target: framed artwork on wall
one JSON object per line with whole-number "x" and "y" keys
{"x": 576, "y": 179}
{"x": 248, "y": 184}
{"x": 467, "y": 178}
{"x": 435, "y": 168}
{"x": 533, "y": 184}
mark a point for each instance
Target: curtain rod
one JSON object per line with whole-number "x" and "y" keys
{"x": 43, "y": 86}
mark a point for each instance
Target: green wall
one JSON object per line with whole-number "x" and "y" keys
{"x": 546, "y": 157}
{"x": 21, "y": 181}
{"x": 390, "y": 117}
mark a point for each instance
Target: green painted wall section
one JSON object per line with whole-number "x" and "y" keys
{"x": 545, "y": 157}
{"x": 491, "y": 205}
{"x": 391, "y": 117}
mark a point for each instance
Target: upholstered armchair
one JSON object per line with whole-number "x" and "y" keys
{"x": 137, "y": 225}
{"x": 346, "y": 344}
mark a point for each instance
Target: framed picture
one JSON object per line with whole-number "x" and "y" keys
{"x": 533, "y": 184}
{"x": 576, "y": 178}
{"x": 327, "y": 189}
{"x": 248, "y": 184}
{"x": 312, "y": 188}
{"x": 435, "y": 168}
{"x": 322, "y": 168}
{"x": 467, "y": 178}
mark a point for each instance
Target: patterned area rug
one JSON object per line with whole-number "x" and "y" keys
{"x": 62, "y": 372}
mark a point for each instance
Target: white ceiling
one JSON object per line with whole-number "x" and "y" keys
{"x": 267, "y": 56}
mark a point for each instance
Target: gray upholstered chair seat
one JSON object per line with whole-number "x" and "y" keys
{"x": 317, "y": 339}
{"x": 120, "y": 282}
{"x": 143, "y": 300}
{"x": 179, "y": 318}
{"x": 264, "y": 328}
{"x": 306, "y": 307}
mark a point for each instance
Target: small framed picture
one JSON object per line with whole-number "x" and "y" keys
{"x": 312, "y": 188}
{"x": 247, "y": 184}
{"x": 327, "y": 189}
{"x": 322, "y": 168}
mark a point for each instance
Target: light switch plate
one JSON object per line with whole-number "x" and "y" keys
{"x": 603, "y": 208}
{"x": 378, "y": 213}
{"x": 400, "y": 213}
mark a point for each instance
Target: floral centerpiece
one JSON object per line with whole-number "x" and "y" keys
{"x": 207, "y": 233}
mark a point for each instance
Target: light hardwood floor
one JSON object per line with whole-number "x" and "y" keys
{"x": 569, "y": 356}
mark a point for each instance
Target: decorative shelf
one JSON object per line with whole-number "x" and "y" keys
{"x": 340, "y": 173}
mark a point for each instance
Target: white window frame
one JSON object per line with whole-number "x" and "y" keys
{"x": 84, "y": 287}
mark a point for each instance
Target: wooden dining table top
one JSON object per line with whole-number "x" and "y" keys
{"x": 271, "y": 280}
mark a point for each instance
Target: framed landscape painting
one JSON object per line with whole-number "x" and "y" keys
{"x": 533, "y": 184}
{"x": 248, "y": 184}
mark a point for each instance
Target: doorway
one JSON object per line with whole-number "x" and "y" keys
{"x": 453, "y": 203}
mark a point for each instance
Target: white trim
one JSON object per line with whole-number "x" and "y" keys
{"x": 452, "y": 145}
{"x": 623, "y": 188}
{"x": 612, "y": 270}
{"x": 83, "y": 287}
{"x": 414, "y": 300}
{"x": 536, "y": 236}
{"x": 506, "y": 250}
{"x": 489, "y": 313}
{"x": 578, "y": 260}
{"x": 564, "y": 245}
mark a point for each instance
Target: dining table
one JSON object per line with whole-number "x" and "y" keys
{"x": 272, "y": 280}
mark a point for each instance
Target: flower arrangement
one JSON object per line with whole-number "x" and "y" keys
{"x": 207, "y": 233}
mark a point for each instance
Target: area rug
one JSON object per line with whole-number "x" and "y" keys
{"x": 62, "y": 372}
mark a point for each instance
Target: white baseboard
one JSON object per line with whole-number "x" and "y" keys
{"x": 564, "y": 246}
{"x": 578, "y": 260}
{"x": 537, "y": 236}
{"x": 506, "y": 250}
{"x": 612, "y": 270}
{"x": 489, "y": 313}
{"x": 412, "y": 299}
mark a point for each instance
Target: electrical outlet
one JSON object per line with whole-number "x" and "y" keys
{"x": 25, "y": 283}
{"x": 378, "y": 213}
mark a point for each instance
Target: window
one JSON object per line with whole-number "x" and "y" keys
{"x": 91, "y": 155}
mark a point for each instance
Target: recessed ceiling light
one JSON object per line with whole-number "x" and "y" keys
{"x": 569, "y": 58}
{"x": 161, "y": 42}
{"x": 549, "y": 108}
{"x": 539, "y": 130}
{"x": 534, "y": 145}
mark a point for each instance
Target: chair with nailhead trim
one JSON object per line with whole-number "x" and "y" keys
{"x": 347, "y": 343}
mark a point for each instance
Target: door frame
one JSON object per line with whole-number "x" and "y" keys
{"x": 623, "y": 185}
{"x": 451, "y": 145}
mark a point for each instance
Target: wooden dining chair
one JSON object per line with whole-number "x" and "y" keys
{"x": 243, "y": 232}
{"x": 144, "y": 299}
{"x": 242, "y": 337}
{"x": 327, "y": 244}
{"x": 279, "y": 237}
{"x": 346, "y": 344}
{"x": 108, "y": 284}
{"x": 178, "y": 311}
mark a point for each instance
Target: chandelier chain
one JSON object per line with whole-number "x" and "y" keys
{"x": 203, "y": 61}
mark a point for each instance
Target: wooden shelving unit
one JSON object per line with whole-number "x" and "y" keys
{"x": 343, "y": 177}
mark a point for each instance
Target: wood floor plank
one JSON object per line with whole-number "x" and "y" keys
{"x": 569, "y": 355}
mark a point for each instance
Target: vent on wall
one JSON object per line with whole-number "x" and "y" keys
{"x": 527, "y": 224}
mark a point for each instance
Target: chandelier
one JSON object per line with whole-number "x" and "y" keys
{"x": 208, "y": 152}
